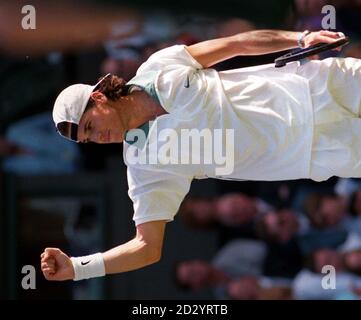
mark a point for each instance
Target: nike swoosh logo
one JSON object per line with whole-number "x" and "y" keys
{"x": 84, "y": 263}
{"x": 186, "y": 85}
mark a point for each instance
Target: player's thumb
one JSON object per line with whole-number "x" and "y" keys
{"x": 52, "y": 251}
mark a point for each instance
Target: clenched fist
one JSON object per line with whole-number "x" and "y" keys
{"x": 56, "y": 265}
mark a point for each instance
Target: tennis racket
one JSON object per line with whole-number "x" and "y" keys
{"x": 300, "y": 54}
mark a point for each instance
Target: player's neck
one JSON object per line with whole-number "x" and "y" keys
{"x": 138, "y": 108}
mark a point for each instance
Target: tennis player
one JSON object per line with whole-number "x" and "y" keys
{"x": 300, "y": 121}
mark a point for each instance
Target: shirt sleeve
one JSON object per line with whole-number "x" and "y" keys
{"x": 181, "y": 82}
{"x": 172, "y": 57}
{"x": 155, "y": 195}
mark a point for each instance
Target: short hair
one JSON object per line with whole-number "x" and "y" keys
{"x": 113, "y": 87}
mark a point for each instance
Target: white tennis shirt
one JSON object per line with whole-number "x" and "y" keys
{"x": 269, "y": 113}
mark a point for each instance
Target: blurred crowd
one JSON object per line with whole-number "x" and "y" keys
{"x": 276, "y": 246}
{"x": 274, "y": 237}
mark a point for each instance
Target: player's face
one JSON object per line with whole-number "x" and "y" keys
{"x": 101, "y": 124}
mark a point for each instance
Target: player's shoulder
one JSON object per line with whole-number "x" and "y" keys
{"x": 158, "y": 56}
{"x": 167, "y": 58}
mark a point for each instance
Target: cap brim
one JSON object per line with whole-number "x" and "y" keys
{"x": 68, "y": 130}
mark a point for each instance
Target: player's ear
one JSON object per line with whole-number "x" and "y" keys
{"x": 99, "y": 97}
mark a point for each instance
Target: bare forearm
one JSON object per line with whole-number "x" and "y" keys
{"x": 257, "y": 42}
{"x": 143, "y": 250}
{"x": 265, "y": 41}
{"x": 132, "y": 255}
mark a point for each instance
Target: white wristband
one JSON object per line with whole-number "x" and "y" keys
{"x": 88, "y": 266}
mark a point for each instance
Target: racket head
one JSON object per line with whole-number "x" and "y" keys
{"x": 300, "y": 54}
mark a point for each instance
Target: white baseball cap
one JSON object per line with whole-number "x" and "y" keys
{"x": 69, "y": 107}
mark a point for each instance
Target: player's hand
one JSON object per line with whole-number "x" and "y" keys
{"x": 323, "y": 36}
{"x": 56, "y": 265}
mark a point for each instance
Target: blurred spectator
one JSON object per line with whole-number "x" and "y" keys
{"x": 325, "y": 210}
{"x": 198, "y": 274}
{"x": 280, "y": 229}
{"x": 262, "y": 288}
{"x": 245, "y": 288}
{"x": 233, "y": 209}
{"x": 352, "y": 261}
{"x": 241, "y": 257}
{"x": 238, "y": 258}
{"x": 280, "y": 226}
{"x": 349, "y": 261}
{"x": 198, "y": 213}
{"x": 236, "y": 209}
{"x": 308, "y": 285}
{"x": 329, "y": 223}
{"x": 322, "y": 257}
{"x": 32, "y": 147}
{"x": 346, "y": 259}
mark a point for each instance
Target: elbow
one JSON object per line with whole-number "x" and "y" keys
{"x": 150, "y": 241}
{"x": 151, "y": 253}
{"x": 156, "y": 257}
